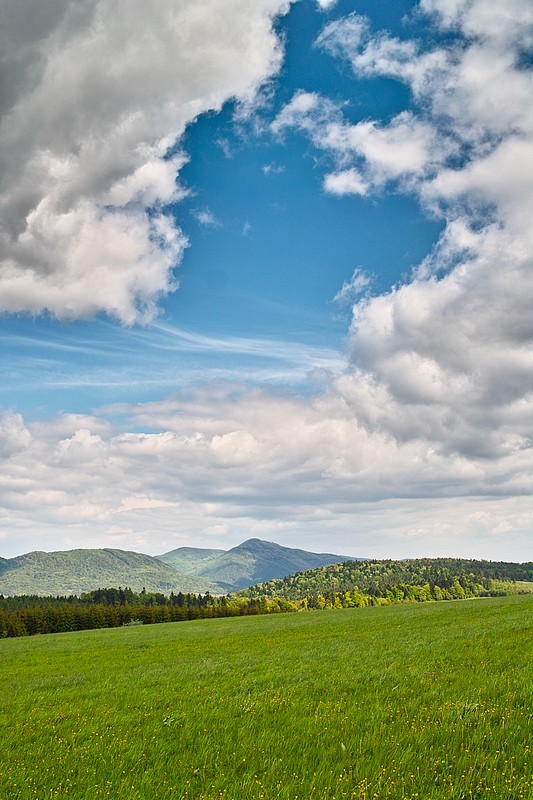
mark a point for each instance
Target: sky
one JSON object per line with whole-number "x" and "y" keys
{"x": 266, "y": 270}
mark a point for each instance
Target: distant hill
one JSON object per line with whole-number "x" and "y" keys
{"x": 186, "y": 569}
{"x": 188, "y": 559}
{"x": 75, "y": 571}
{"x": 253, "y": 561}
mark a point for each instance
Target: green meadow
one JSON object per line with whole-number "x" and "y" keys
{"x": 423, "y": 700}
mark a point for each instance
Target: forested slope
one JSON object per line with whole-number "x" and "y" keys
{"x": 363, "y": 582}
{"x": 75, "y": 571}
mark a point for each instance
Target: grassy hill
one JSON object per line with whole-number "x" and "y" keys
{"x": 75, "y": 571}
{"x": 256, "y": 560}
{"x": 429, "y": 700}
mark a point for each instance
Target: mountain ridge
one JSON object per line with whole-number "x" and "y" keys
{"x": 75, "y": 571}
{"x": 71, "y": 572}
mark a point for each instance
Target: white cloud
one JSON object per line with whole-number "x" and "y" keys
{"x": 510, "y": 24}
{"x": 448, "y": 359}
{"x": 476, "y": 89}
{"x": 325, "y": 4}
{"x": 354, "y": 288}
{"x": 344, "y": 34}
{"x": 307, "y": 111}
{"x": 405, "y": 146}
{"x": 94, "y": 101}
{"x": 236, "y": 460}
{"x": 138, "y": 502}
{"x": 84, "y": 261}
{"x": 366, "y": 154}
{"x": 444, "y": 361}
{"x": 273, "y": 169}
{"x": 347, "y": 181}
{"x": 206, "y": 218}
{"x": 14, "y": 436}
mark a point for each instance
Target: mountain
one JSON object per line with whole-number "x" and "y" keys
{"x": 186, "y": 569}
{"x": 188, "y": 559}
{"x": 256, "y": 561}
{"x": 75, "y": 571}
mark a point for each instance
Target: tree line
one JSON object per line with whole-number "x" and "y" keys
{"x": 27, "y": 615}
{"x": 351, "y": 584}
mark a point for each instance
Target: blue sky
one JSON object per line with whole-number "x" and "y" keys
{"x": 266, "y": 272}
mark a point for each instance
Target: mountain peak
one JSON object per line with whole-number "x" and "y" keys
{"x": 186, "y": 569}
{"x": 249, "y": 563}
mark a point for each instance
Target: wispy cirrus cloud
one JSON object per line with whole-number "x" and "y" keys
{"x": 161, "y": 356}
{"x": 359, "y": 284}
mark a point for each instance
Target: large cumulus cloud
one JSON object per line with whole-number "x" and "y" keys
{"x": 221, "y": 463}
{"x": 95, "y": 96}
{"x": 445, "y": 357}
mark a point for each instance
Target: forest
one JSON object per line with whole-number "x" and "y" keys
{"x": 361, "y": 582}
{"x": 352, "y": 584}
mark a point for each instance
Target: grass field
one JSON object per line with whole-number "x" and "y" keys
{"x": 429, "y": 701}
